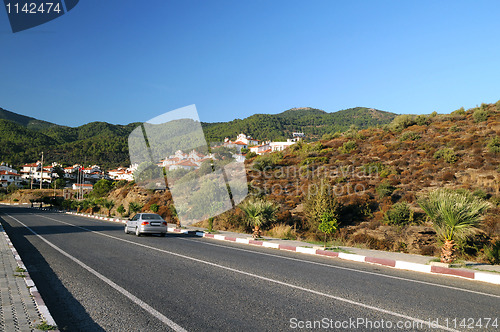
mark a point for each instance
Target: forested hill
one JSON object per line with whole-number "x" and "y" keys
{"x": 22, "y": 138}
{"x": 25, "y": 121}
{"x": 313, "y": 122}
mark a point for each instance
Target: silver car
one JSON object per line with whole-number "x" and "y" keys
{"x": 150, "y": 223}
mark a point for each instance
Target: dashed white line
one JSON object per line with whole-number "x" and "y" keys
{"x": 120, "y": 289}
{"x": 341, "y": 299}
{"x": 342, "y": 268}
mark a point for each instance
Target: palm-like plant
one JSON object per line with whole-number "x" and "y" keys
{"x": 455, "y": 215}
{"x": 259, "y": 213}
{"x": 93, "y": 204}
{"x": 134, "y": 207}
{"x": 108, "y": 204}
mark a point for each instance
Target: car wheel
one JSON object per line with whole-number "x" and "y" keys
{"x": 137, "y": 232}
{"x": 126, "y": 229}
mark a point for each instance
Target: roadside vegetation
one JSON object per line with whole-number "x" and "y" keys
{"x": 426, "y": 184}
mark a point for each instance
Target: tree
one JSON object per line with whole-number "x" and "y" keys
{"x": 92, "y": 204}
{"x": 328, "y": 224}
{"x": 11, "y": 188}
{"x": 59, "y": 171}
{"x": 455, "y": 215}
{"x": 319, "y": 202}
{"x": 102, "y": 188}
{"x": 121, "y": 210}
{"x": 108, "y": 204}
{"x": 58, "y": 183}
{"x": 134, "y": 207}
{"x": 258, "y": 214}
{"x": 67, "y": 204}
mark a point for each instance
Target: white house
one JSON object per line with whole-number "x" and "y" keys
{"x": 29, "y": 170}
{"x": 83, "y": 186}
{"x": 273, "y": 146}
{"x": 122, "y": 174}
{"x": 7, "y": 178}
{"x": 186, "y": 164}
{"x": 280, "y": 146}
{"x": 261, "y": 149}
{"x": 242, "y": 142}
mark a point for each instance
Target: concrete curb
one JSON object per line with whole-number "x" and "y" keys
{"x": 491, "y": 278}
{"x": 40, "y": 304}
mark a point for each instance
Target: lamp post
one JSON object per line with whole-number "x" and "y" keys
{"x": 41, "y": 173}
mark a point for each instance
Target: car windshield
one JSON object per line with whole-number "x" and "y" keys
{"x": 151, "y": 217}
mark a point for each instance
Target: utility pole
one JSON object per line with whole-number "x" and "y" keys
{"x": 41, "y": 173}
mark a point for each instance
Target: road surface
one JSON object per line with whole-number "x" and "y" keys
{"x": 94, "y": 277}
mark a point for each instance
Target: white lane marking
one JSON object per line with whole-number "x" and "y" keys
{"x": 341, "y": 299}
{"x": 123, "y": 291}
{"x": 344, "y": 268}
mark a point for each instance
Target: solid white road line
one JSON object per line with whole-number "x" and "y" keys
{"x": 343, "y": 268}
{"x": 341, "y": 299}
{"x": 123, "y": 291}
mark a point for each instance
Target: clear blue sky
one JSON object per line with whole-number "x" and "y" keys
{"x": 125, "y": 61}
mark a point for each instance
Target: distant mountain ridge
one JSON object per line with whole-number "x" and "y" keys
{"x": 23, "y": 138}
{"x": 313, "y": 122}
{"x": 25, "y": 121}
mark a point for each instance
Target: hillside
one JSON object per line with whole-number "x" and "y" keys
{"x": 22, "y": 139}
{"x": 375, "y": 177}
{"x": 25, "y": 121}
{"x": 313, "y": 122}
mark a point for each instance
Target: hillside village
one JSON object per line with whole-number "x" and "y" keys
{"x": 374, "y": 177}
{"x": 77, "y": 176}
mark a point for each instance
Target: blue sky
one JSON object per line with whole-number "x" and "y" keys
{"x": 128, "y": 61}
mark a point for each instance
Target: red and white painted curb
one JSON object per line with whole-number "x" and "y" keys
{"x": 42, "y": 308}
{"x": 492, "y": 278}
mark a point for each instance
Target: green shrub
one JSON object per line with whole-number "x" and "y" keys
{"x": 267, "y": 161}
{"x": 348, "y": 147}
{"x": 410, "y": 136}
{"x": 446, "y": 154}
{"x": 480, "y": 193}
{"x": 498, "y": 105}
{"x": 327, "y": 137}
{"x": 422, "y": 120}
{"x": 120, "y": 210}
{"x": 385, "y": 189}
{"x": 373, "y": 167}
{"x": 495, "y": 200}
{"x": 154, "y": 207}
{"x": 402, "y": 121}
{"x": 494, "y": 145}
{"x": 313, "y": 160}
{"x": 492, "y": 252}
{"x": 480, "y": 115}
{"x": 459, "y": 112}
{"x": 250, "y": 155}
{"x": 399, "y": 214}
{"x": 318, "y": 203}
{"x": 454, "y": 129}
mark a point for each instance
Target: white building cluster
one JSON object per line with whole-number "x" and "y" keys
{"x": 187, "y": 161}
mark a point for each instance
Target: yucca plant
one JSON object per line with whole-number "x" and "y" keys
{"x": 455, "y": 215}
{"x": 108, "y": 204}
{"x": 258, "y": 214}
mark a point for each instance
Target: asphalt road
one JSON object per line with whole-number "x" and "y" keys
{"x": 94, "y": 277}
